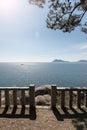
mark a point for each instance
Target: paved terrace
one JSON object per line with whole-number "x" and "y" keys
{"x": 43, "y": 119}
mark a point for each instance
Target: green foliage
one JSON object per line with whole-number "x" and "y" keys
{"x": 65, "y": 15}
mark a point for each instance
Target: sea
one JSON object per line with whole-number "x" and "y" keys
{"x": 62, "y": 74}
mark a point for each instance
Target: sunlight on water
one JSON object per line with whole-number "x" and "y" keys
{"x": 62, "y": 74}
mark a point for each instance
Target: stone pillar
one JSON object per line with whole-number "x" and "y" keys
{"x": 86, "y": 98}
{"x": 0, "y": 98}
{"x": 15, "y": 97}
{"x": 53, "y": 96}
{"x": 78, "y": 98}
{"x": 70, "y": 98}
{"x": 7, "y": 102}
{"x": 62, "y": 98}
{"x": 32, "y": 95}
{"x": 23, "y": 97}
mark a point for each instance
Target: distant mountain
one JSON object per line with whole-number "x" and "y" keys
{"x": 82, "y": 61}
{"x": 59, "y": 60}
{"x": 62, "y": 61}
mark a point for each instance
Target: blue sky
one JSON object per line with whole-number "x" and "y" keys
{"x": 24, "y": 36}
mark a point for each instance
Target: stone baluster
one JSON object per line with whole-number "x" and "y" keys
{"x": 15, "y": 97}
{"x": 86, "y": 98}
{"x": 23, "y": 97}
{"x": 7, "y": 102}
{"x": 0, "y": 98}
{"x": 78, "y": 98}
{"x": 70, "y": 98}
{"x": 62, "y": 98}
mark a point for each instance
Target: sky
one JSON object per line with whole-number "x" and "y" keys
{"x": 24, "y": 36}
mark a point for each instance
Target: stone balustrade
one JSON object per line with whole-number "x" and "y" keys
{"x": 10, "y": 93}
{"x": 77, "y": 93}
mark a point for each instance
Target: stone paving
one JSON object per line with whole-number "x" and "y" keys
{"x": 43, "y": 119}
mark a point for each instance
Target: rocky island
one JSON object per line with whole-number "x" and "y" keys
{"x": 82, "y": 61}
{"x": 63, "y": 61}
{"x": 59, "y": 60}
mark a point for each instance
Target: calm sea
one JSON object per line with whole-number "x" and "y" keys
{"x": 62, "y": 74}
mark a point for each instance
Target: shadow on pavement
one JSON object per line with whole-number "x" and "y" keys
{"x": 14, "y": 114}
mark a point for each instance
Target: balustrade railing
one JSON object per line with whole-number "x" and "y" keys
{"x": 10, "y": 95}
{"x": 68, "y": 96}
{"x": 63, "y": 96}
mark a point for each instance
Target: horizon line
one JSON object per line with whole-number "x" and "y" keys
{"x": 8, "y": 61}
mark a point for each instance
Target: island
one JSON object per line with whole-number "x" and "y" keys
{"x": 62, "y": 61}
{"x": 59, "y": 60}
{"x": 82, "y": 61}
